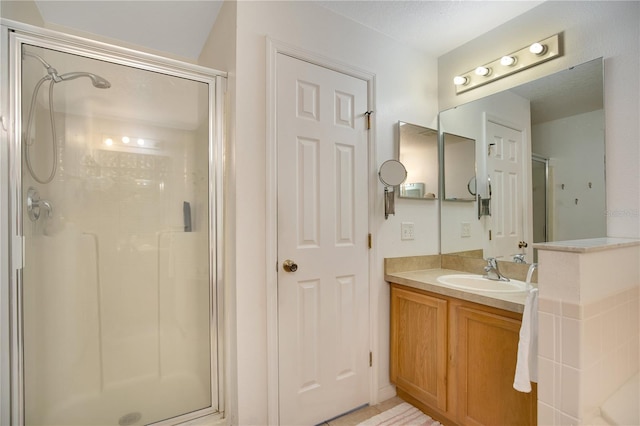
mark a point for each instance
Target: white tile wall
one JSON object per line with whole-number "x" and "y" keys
{"x": 585, "y": 353}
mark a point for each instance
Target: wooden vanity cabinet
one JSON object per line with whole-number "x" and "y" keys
{"x": 456, "y": 359}
{"x": 419, "y": 346}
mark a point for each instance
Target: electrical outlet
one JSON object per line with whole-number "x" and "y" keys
{"x": 465, "y": 230}
{"x": 407, "y": 232}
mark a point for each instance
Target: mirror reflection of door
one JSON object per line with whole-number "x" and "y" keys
{"x": 507, "y": 168}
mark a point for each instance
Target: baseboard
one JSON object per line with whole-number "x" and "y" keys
{"x": 386, "y": 392}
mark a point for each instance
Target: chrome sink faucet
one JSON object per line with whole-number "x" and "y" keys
{"x": 492, "y": 271}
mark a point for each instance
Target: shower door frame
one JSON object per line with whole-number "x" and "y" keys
{"x": 12, "y": 36}
{"x": 540, "y": 159}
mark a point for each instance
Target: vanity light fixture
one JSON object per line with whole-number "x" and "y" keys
{"x": 459, "y": 80}
{"x": 538, "y": 49}
{"x": 508, "y": 61}
{"x": 527, "y": 57}
{"x": 483, "y": 71}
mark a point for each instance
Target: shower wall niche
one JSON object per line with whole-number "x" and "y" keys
{"x": 118, "y": 303}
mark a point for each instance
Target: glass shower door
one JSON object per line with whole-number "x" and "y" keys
{"x": 117, "y": 296}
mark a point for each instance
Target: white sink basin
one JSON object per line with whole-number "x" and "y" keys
{"x": 478, "y": 282}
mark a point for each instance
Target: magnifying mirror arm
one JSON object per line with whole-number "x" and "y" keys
{"x": 389, "y": 203}
{"x": 484, "y": 204}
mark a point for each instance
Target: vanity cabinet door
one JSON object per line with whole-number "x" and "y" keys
{"x": 419, "y": 346}
{"x": 486, "y": 349}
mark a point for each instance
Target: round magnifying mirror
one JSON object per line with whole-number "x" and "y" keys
{"x": 392, "y": 173}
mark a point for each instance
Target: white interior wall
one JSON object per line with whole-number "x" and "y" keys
{"x": 582, "y": 134}
{"x": 405, "y": 90}
{"x": 22, "y": 11}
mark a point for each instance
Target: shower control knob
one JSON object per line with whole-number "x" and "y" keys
{"x": 289, "y": 265}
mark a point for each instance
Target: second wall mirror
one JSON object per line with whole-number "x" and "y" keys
{"x": 418, "y": 151}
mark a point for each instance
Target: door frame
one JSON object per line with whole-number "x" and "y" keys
{"x": 12, "y": 247}
{"x": 274, "y": 48}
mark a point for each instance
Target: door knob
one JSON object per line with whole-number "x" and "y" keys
{"x": 289, "y": 265}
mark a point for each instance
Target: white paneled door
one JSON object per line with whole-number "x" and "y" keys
{"x": 506, "y": 167}
{"x": 323, "y": 259}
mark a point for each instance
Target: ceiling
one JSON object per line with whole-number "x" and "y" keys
{"x": 434, "y": 27}
{"x": 182, "y": 27}
{"x": 177, "y": 27}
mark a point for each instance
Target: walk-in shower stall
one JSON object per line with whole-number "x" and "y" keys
{"x": 111, "y": 193}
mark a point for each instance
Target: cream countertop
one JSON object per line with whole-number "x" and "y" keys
{"x": 588, "y": 245}
{"x": 427, "y": 280}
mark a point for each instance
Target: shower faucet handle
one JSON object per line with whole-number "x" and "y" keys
{"x": 34, "y": 204}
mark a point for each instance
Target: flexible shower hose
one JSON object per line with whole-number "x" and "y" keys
{"x": 27, "y": 137}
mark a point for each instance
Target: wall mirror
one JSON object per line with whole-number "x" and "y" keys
{"x": 459, "y": 167}
{"x": 418, "y": 151}
{"x": 540, "y": 159}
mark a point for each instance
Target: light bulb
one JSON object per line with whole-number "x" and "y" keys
{"x": 459, "y": 80}
{"x": 483, "y": 71}
{"x": 125, "y": 139}
{"x": 537, "y": 48}
{"x": 108, "y": 141}
{"x": 140, "y": 142}
{"x": 507, "y": 61}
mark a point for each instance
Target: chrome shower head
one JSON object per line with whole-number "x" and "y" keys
{"x": 96, "y": 80}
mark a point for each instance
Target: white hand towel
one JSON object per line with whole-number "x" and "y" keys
{"x": 527, "y": 364}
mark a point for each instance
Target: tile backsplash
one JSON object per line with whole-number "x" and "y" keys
{"x": 471, "y": 264}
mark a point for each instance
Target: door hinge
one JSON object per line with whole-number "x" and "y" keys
{"x": 370, "y": 359}
{"x": 489, "y": 234}
{"x": 368, "y": 115}
{"x": 370, "y": 241}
